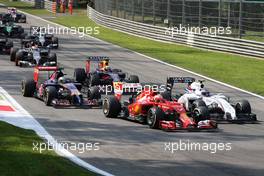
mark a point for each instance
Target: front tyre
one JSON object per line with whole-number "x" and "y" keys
{"x": 111, "y": 107}
{"x": 49, "y": 95}
{"x": 155, "y": 115}
{"x": 243, "y": 107}
{"x": 13, "y": 54}
{"x": 133, "y": 79}
{"x": 28, "y": 87}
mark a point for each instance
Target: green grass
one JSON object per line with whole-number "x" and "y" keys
{"x": 19, "y": 158}
{"x": 250, "y": 36}
{"x": 244, "y": 72}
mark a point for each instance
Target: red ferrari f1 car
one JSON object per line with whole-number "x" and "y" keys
{"x": 56, "y": 90}
{"x": 158, "y": 112}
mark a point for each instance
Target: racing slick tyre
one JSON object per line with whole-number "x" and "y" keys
{"x": 41, "y": 61}
{"x": 55, "y": 40}
{"x": 111, "y": 107}
{"x": 133, "y": 79}
{"x": 155, "y": 115}
{"x": 28, "y": 87}
{"x": 50, "y": 94}
{"x": 198, "y": 103}
{"x": 53, "y": 58}
{"x": 79, "y": 75}
{"x": 9, "y": 45}
{"x": 95, "y": 80}
{"x": 94, "y": 93}
{"x": 243, "y": 107}
{"x": 19, "y": 56}
{"x": 23, "y": 34}
{"x": 200, "y": 113}
{"x": 13, "y": 54}
{"x": 166, "y": 95}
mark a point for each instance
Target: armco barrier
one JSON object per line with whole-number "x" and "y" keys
{"x": 220, "y": 43}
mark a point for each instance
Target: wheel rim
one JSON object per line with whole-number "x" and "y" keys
{"x": 45, "y": 97}
{"x": 151, "y": 118}
{"x": 196, "y": 114}
{"x": 106, "y": 107}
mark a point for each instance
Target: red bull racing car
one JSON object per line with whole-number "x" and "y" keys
{"x": 103, "y": 74}
{"x": 56, "y": 90}
{"x": 156, "y": 110}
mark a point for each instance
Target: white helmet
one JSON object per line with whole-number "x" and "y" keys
{"x": 61, "y": 80}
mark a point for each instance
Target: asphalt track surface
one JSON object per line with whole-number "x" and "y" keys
{"x": 128, "y": 148}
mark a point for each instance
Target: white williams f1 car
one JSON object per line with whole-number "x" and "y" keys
{"x": 218, "y": 105}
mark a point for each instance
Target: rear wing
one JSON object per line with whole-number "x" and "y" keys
{"x": 94, "y": 59}
{"x": 175, "y": 80}
{"x": 97, "y": 58}
{"x": 52, "y": 68}
{"x": 38, "y": 69}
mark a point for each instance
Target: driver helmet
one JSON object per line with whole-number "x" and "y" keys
{"x": 61, "y": 80}
{"x": 34, "y": 45}
{"x": 158, "y": 98}
{"x": 59, "y": 74}
{"x": 103, "y": 64}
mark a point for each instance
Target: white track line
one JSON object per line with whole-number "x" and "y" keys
{"x": 27, "y": 121}
{"x": 162, "y": 62}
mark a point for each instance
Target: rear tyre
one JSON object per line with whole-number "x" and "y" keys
{"x": 94, "y": 93}
{"x": 166, "y": 95}
{"x": 41, "y": 61}
{"x": 111, "y": 107}
{"x": 79, "y": 75}
{"x": 49, "y": 95}
{"x": 95, "y": 80}
{"x": 28, "y": 87}
{"x": 23, "y": 35}
{"x": 198, "y": 103}
{"x": 53, "y": 58}
{"x": 243, "y": 107}
{"x": 133, "y": 79}
{"x": 13, "y": 54}
{"x": 55, "y": 40}
{"x": 19, "y": 56}
{"x": 155, "y": 115}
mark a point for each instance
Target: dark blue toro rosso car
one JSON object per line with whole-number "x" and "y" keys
{"x": 56, "y": 90}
